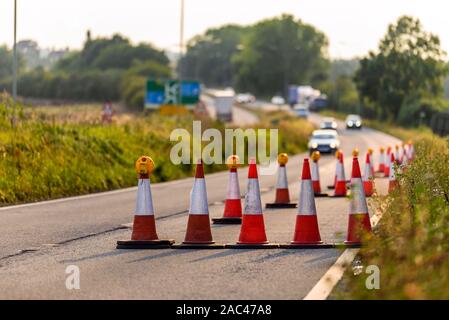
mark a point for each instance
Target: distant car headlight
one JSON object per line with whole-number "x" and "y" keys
{"x": 350, "y": 123}
{"x": 334, "y": 125}
{"x": 333, "y": 145}
{"x": 358, "y": 124}
{"x": 314, "y": 145}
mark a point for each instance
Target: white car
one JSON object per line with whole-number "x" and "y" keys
{"x": 243, "y": 98}
{"x": 328, "y": 123}
{"x": 324, "y": 141}
{"x": 354, "y": 121}
{"x": 278, "y": 100}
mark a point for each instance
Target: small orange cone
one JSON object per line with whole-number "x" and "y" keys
{"x": 252, "y": 232}
{"x": 306, "y": 231}
{"x": 315, "y": 171}
{"x": 387, "y": 163}
{"x": 392, "y": 183}
{"x": 233, "y": 205}
{"x": 381, "y": 168}
{"x": 397, "y": 154}
{"x": 340, "y": 185}
{"x": 282, "y": 194}
{"x": 368, "y": 177}
{"x": 359, "y": 220}
{"x": 144, "y": 235}
{"x": 198, "y": 234}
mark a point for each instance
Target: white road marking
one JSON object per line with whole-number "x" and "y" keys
{"x": 326, "y": 284}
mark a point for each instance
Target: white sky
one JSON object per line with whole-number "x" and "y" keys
{"x": 352, "y": 26}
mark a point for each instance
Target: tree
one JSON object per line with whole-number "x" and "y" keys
{"x": 409, "y": 66}
{"x": 208, "y": 57}
{"x": 279, "y": 52}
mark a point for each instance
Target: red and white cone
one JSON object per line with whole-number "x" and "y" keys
{"x": 368, "y": 177}
{"x": 387, "y": 163}
{"x": 252, "y": 232}
{"x": 411, "y": 151}
{"x": 359, "y": 220}
{"x": 392, "y": 182}
{"x": 340, "y": 185}
{"x": 233, "y": 205}
{"x": 282, "y": 194}
{"x": 306, "y": 230}
{"x": 381, "y": 167}
{"x": 315, "y": 171}
{"x": 198, "y": 234}
{"x": 397, "y": 154}
{"x": 144, "y": 235}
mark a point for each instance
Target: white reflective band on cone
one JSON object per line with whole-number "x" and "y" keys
{"x": 371, "y": 160}
{"x": 367, "y": 174}
{"x": 357, "y": 204}
{"x": 198, "y": 198}
{"x": 253, "y": 204}
{"x": 306, "y": 199}
{"x": 381, "y": 158}
{"x": 314, "y": 171}
{"x": 392, "y": 176}
{"x": 340, "y": 173}
{"x": 282, "y": 179}
{"x": 144, "y": 202}
{"x": 233, "y": 186}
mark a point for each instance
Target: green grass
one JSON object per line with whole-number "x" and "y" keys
{"x": 411, "y": 241}
{"x": 58, "y": 152}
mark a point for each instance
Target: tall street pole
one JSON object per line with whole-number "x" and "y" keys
{"x": 181, "y": 51}
{"x": 14, "y": 71}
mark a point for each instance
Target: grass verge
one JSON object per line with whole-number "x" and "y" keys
{"x": 410, "y": 244}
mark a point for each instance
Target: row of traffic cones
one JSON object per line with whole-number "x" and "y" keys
{"x": 252, "y": 233}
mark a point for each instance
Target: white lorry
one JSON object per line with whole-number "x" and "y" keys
{"x": 221, "y": 101}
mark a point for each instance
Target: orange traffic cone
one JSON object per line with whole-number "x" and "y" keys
{"x": 340, "y": 185}
{"x": 392, "y": 183}
{"x": 411, "y": 151}
{"x": 198, "y": 234}
{"x": 337, "y": 165}
{"x": 233, "y": 205}
{"x": 144, "y": 235}
{"x": 252, "y": 232}
{"x": 282, "y": 194}
{"x": 387, "y": 163}
{"x": 381, "y": 168}
{"x": 368, "y": 178}
{"x": 359, "y": 220}
{"x": 315, "y": 171}
{"x": 307, "y": 232}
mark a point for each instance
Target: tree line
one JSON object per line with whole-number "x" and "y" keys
{"x": 401, "y": 81}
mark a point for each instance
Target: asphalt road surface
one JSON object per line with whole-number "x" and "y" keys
{"x": 39, "y": 241}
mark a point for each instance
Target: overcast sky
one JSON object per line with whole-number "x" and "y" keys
{"x": 353, "y": 26}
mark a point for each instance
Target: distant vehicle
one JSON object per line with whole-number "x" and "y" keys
{"x": 301, "y": 112}
{"x": 329, "y": 123}
{"x": 243, "y": 98}
{"x": 319, "y": 103}
{"x": 278, "y": 100}
{"x": 222, "y": 101}
{"x": 324, "y": 141}
{"x": 354, "y": 121}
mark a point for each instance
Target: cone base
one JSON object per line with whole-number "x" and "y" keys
{"x": 209, "y": 246}
{"x": 280, "y": 205}
{"x": 319, "y": 245}
{"x": 144, "y": 228}
{"x": 331, "y": 187}
{"x": 338, "y": 196}
{"x": 142, "y": 244}
{"x": 253, "y": 246}
{"x": 321, "y": 195}
{"x": 282, "y": 196}
{"x": 306, "y": 231}
{"x": 233, "y": 208}
{"x": 225, "y": 220}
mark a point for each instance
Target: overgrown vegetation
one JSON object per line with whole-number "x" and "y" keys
{"x": 411, "y": 241}
{"x": 58, "y": 152}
